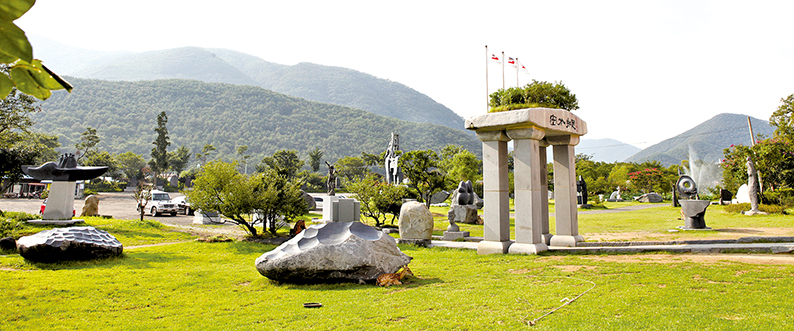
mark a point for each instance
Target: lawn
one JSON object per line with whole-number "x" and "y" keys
{"x": 167, "y": 280}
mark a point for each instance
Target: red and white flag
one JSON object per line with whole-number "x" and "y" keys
{"x": 495, "y": 58}
{"x": 511, "y": 61}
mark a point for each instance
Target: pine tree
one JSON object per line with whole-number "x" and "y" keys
{"x": 159, "y": 162}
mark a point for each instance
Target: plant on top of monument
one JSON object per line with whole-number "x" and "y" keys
{"x": 421, "y": 168}
{"x": 533, "y": 95}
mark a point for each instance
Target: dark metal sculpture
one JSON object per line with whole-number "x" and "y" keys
{"x": 65, "y": 170}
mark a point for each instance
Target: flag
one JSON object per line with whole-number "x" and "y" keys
{"x": 511, "y": 61}
{"x": 495, "y": 58}
{"x": 522, "y": 67}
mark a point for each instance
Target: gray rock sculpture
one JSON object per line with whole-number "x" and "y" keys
{"x": 312, "y": 205}
{"x": 652, "y": 197}
{"x": 416, "y": 223}
{"x": 8, "y": 243}
{"x": 331, "y": 253}
{"x": 74, "y": 243}
{"x": 439, "y": 197}
{"x": 693, "y": 209}
{"x": 753, "y": 188}
{"x": 615, "y": 196}
{"x": 465, "y": 194}
{"x": 478, "y": 202}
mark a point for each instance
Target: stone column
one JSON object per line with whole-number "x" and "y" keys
{"x": 544, "y": 192}
{"x": 565, "y": 192}
{"x": 60, "y": 203}
{"x": 496, "y": 211}
{"x": 528, "y": 219}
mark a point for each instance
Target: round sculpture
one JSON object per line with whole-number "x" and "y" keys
{"x": 74, "y": 243}
{"x": 687, "y": 188}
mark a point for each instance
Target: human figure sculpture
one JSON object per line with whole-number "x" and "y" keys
{"x": 331, "y": 181}
{"x": 391, "y": 161}
{"x": 581, "y": 188}
{"x": 615, "y": 195}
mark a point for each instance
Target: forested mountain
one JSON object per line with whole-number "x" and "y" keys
{"x": 707, "y": 140}
{"x": 315, "y": 82}
{"x": 226, "y": 116}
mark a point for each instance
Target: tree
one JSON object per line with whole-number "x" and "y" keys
{"x": 159, "y": 162}
{"x": 205, "y": 153}
{"x": 179, "y": 159}
{"x": 377, "y": 197}
{"x": 460, "y": 165}
{"x": 20, "y": 69}
{"x": 783, "y": 120}
{"x": 220, "y": 187}
{"x": 102, "y": 158}
{"x": 422, "y": 170}
{"x": 142, "y": 196}
{"x": 130, "y": 164}
{"x": 646, "y": 179}
{"x": 241, "y": 150}
{"x": 351, "y": 167}
{"x": 88, "y": 141}
{"x": 285, "y": 163}
{"x": 315, "y": 156}
{"x": 18, "y": 145}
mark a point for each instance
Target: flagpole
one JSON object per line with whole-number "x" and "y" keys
{"x": 487, "y": 96}
{"x": 516, "y": 65}
{"x": 503, "y": 70}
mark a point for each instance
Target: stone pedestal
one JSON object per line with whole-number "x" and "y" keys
{"x": 60, "y": 203}
{"x": 462, "y": 214}
{"x": 206, "y": 218}
{"x": 694, "y": 212}
{"x": 454, "y": 235}
{"x": 336, "y": 209}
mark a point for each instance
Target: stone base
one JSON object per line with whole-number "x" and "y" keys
{"x": 214, "y": 218}
{"x": 452, "y": 235}
{"x": 565, "y": 241}
{"x": 585, "y": 206}
{"x": 418, "y": 242}
{"x": 517, "y": 248}
{"x": 493, "y": 247}
{"x": 546, "y": 238}
{"x": 56, "y": 222}
{"x": 681, "y": 227}
{"x": 751, "y": 213}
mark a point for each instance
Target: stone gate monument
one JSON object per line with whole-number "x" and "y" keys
{"x": 532, "y": 131}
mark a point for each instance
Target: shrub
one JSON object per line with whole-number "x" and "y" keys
{"x": 104, "y": 186}
{"x": 742, "y": 207}
{"x": 536, "y": 94}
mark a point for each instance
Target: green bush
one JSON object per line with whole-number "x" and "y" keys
{"x": 535, "y": 94}
{"x": 782, "y": 196}
{"x": 12, "y": 221}
{"x": 104, "y": 186}
{"x": 742, "y": 207}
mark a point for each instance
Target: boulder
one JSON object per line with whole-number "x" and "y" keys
{"x": 309, "y": 201}
{"x": 652, "y": 197}
{"x": 439, "y": 197}
{"x": 463, "y": 214}
{"x": 333, "y": 252}
{"x": 416, "y": 222}
{"x": 478, "y": 201}
{"x": 91, "y": 207}
{"x": 74, "y": 243}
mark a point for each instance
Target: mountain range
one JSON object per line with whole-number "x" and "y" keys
{"x": 124, "y": 114}
{"x": 706, "y": 141}
{"x": 310, "y": 81}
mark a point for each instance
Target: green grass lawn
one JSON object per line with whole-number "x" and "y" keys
{"x": 200, "y": 285}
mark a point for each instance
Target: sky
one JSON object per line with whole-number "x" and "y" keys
{"x": 643, "y": 71}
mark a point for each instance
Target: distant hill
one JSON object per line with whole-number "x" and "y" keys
{"x": 606, "y": 150}
{"x": 708, "y": 140}
{"x": 314, "y": 82}
{"x": 226, "y": 116}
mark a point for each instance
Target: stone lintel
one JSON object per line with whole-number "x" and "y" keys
{"x": 563, "y": 140}
{"x": 492, "y": 136}
{"x": 558, "y": 121}
{"x": 534, "y": 133}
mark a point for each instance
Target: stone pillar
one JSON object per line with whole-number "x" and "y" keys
{"x": 60, "y": 202}
{"x": 565, "y": 192}
{"x": 544, "y": 193}
{"x": 496, "y": 211}
{"x": 528, "y": 219}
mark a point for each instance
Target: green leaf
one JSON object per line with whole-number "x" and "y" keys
{"x": 13, "y": 43}
{"x": 6, "y": 85}
{"x": 46, "y": 78}
{"x": 13, "y": 9}
{"x": 27, "y": 84}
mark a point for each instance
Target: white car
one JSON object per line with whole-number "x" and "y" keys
{"x": 161, "y": 203}
{"x": 183, "y": 205}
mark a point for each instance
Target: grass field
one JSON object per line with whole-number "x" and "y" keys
{"x": 167, "y": 280}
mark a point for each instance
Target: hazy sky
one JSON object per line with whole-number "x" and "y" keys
{"x": 643, "y": 71}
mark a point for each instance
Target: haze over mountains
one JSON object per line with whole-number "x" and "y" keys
{"x": 314, "y": 82}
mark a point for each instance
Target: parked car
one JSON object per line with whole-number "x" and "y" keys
{"x": 183, "y": 206}
{"x": 161, "y": 203}
{"x": 44, "y": 205}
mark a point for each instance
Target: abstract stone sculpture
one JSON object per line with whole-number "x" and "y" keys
{"x": 91, "y": 207}
{"x": 652, "y": 197}
{"x": 74, "y": 243}
{"x": 693, "y": 210}
{"x": 753, "y": 188}
{"x": 64, "y": 175}
{"x": 416, "y": 223}
{"x": 333, "y": 252}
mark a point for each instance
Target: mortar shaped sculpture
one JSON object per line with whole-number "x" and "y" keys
{"x": 693, "y": 209}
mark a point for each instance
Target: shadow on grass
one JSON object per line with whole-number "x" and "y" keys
{"x": 737, "y": 230}
{"x": 408, "y": 284}
{"x": 136, "y": 260}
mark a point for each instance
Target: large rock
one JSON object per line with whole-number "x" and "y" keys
{"x": 462, "y": 214}
{"x": 91, "y": 207}
{"x": 333, "y": 252}
{"x": 309, "y": 201}
{"x": 74, "y": 243}
{"x": 652, "y": 197}
{"x": 416, "y": 222}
